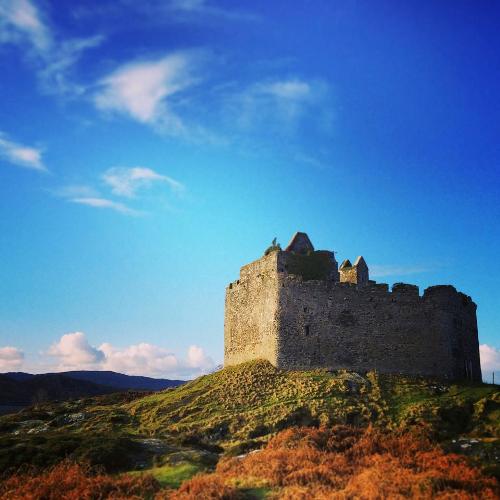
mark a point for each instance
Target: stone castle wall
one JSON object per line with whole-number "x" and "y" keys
{"x": 298, "y": 323}
{"x": 337, "y": 325}
{"x": 250, "y": 321}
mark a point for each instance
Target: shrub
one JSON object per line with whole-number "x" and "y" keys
{"x": 346, "y": 462}
{"x": 206, "y": 486}
{"x": 70, "y": 481}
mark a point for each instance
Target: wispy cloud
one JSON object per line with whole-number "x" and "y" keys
{"x": 288, "y": 90}
{"x": 11, "y": 358}
{"x": 23, "y": 23}
{"x": 82, "y": 194}
{"x": 309, "y": 160}
{"x": 107, "y": 204}
{"x": 76, "y": 191}
{"x": 205, "y": 10}
{"x": 127, "y": 181}
{"x": 283, "y": 104}
{"x": 55, "y": 74}
{"x": 20, "y": 154}
{"x": 164, "y": 12}
{"x": 20, "y": 21}
{"x": 383, "y": 270}
{"x": 146, "y": 91}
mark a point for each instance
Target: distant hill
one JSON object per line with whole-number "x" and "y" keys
{"x": 48, "y": 387}
{"x": 108, "y": 378}
{"x": 122, "y": 381}
{"x": 19, "y": 389}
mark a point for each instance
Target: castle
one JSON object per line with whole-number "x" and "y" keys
{"x": 297, "y": 309}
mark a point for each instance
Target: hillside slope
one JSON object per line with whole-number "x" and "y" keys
{"x": 255, "y": 399}
{"x": 240, "y": 408}
{"x": 19, "y": 389}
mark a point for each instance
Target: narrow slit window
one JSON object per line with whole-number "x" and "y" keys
{"x": 307, "y": 330}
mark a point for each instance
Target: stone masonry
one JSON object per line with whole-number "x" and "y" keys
{"x": 296, "y": 309}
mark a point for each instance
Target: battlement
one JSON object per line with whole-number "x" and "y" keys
{"x": 297, "y": 309}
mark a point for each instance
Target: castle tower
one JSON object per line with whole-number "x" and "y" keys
{"x": 356, "y": 274}
{"x": 295, "y": 308}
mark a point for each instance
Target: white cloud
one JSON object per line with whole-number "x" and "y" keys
{"x": 383, "y": 270}
{"x": 73, "y": 351}
{"x": 127, "y": 181}
{"x": 189, "y": 5}
{"x": 152, "y": 360}
{"x": 24, "y": 24}
{"x": 162, "y": 12}
{"x": 21, "y": 155}
{"x": 21, "y": 20}
{"x": 54, "y": 75}
{"x": 203, "y": 10}
{"x": 309, "y": 160}
{"x": 76, "y": 191}
{"x": 283, "y": 104}
{"x": 105, "y": 203}
{"x": 82, "y": 194}
{"x": 196, "y": 358}
{"x": 140, "y": 359}
{"x": 11, "y": 359}
{"x": 490, "y": 359}
{"x": 122, "y": 181}
{"x": 145, "y": 91}
{"x": 288, "y": 89}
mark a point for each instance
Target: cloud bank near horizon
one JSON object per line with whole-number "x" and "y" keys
{"x": 74, "y": 352}
{"x": 490, "y": 361}
{"x": 11, "y": 358}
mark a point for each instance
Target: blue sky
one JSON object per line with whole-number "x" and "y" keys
{"x": 149, "y": 149}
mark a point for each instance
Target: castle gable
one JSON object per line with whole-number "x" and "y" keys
{"x": 345, "y": 264}
{"x": 300, "y": 244}
{"x": 360, "y": 262}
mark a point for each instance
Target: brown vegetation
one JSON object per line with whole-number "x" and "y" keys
{"x": 297, "y": 464}
{"x": 69, "y": 481}
{"x": 343, "y": 462}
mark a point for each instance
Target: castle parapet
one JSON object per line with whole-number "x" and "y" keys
{"x": 405, "y": 290}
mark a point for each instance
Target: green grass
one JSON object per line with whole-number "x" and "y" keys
{"x": 256, "y": 493}
{"x": 172, "y": 475}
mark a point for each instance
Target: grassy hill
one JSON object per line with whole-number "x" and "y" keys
{"x": 176, "y": 432}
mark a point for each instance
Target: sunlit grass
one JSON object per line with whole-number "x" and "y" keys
{"x": 171, "y": 475}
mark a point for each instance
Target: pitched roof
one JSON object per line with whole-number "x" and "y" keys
{"x": 346, "y": 263}
{"x": 360, "y": 261}
{"x": 300, "y": 243}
